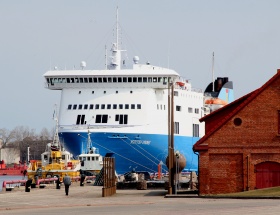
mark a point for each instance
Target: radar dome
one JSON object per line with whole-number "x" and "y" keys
{"x": 136, "y": 59}
{"x": 83, "y": 64}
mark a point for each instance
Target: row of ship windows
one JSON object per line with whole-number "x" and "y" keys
{"x": 123, "y": 106}
{"x": 163, "y": 80}
{"x": 190, "y": 109}
{"x": 123, "y": 119}
{"x": 103, "y": 106}
{"x": 103, "y": 118}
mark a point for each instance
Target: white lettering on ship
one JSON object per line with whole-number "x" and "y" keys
{"x": 145, "y": 142}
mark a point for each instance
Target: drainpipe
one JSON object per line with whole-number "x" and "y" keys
{"x": 248, "y": 172}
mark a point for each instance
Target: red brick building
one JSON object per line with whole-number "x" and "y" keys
{"x": 241, "y": 147}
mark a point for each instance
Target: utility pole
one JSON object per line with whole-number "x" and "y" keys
{"x": 171, "y": 188}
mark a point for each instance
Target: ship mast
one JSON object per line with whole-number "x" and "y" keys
{"x": 56, "y": 143}
{"x": 213, "y": 79}
{"x": 116, "y": 51}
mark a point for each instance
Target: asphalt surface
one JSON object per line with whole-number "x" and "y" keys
{"x": 88, "y": 200}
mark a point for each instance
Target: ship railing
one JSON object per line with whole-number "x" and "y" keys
{"x": 88, "y": 126}
{"x": 107, "y": 84}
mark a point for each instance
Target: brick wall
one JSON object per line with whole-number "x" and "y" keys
{"x": 233, "y": 151}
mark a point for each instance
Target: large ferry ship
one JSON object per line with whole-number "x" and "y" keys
{"x": 125, "y": 111}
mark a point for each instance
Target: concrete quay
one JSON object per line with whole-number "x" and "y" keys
{"x": 88, "y": 200}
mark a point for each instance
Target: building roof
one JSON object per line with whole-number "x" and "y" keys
{"x": 228, "y": 112}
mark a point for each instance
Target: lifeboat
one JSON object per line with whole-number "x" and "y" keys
{"x": 216, "y": 101}
{"x": 181, "y": 84}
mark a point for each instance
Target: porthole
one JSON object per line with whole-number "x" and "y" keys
{"x": 237, "y": 121}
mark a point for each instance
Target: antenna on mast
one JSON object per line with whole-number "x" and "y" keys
{"x": 213, "y": 79}
{"x": 106, "y": 57}
{"x": 117, "y": 29}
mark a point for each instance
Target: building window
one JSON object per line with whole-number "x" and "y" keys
{"x": 104, "y": 92}
{"x": 190, "y": 110}
{"x": 74, "y": 107}
{"x": 103, "y": 106}
{"x": 120, "y": 106}
{"x": 79, "y": 92}
{"x": 195, "y": 130}
{"x": 96, "y": 106}
{"x": 117, "y": 92}
{"x": 176, "y": 93}
{"x": 80, "y": 107}
{"x": 115, "y": 106}
{"x": 92, "y": 92}
{"x": 69, "y": 107}
{"x": 126, "y": 106}
{"x": 138, "y": 106}
{"x": 85, "y": 107}
{"x": 237, "y": 121}
{"x": 133, "y": 106}
{"x": 108, "y": 106}
{"x": 91, "y": 106}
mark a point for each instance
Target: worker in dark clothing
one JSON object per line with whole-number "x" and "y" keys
{"x": 67, "y": 183}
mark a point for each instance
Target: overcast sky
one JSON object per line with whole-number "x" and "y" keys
{"x": 38, "y": 35}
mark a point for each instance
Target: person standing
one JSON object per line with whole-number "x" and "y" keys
{"x": 67, "y": 183}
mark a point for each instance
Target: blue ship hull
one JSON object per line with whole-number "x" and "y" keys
{"x": 133, "y": 151}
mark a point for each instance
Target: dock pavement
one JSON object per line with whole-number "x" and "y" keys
{"x": 88, "y": 199}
